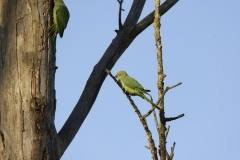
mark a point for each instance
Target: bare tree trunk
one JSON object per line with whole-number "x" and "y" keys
{"x": 27, "y": 72}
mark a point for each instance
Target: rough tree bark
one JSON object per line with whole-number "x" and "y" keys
{"x": 27, "y": 73}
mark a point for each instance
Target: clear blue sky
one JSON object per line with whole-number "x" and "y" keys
{"x": 201, "y": 47}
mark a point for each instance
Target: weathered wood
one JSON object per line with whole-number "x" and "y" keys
{"x": 27, "y": 72}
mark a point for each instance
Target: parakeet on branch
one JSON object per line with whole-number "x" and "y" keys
{"x": 60, "y": 19}
{"x": 131, "y": 86}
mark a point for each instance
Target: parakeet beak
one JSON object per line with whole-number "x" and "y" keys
{"x": 116, "y": 76}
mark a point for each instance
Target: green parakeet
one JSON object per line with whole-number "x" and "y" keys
{"x": 131, "y": 86}
{"x": 60, "y": 19}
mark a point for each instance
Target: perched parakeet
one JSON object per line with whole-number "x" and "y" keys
{"x": 131, "y": 86}
{"x": 60, "y": 19}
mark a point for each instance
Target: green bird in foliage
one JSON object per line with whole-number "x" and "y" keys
{"x": 60, "y": 19}
{"x": 132, "y": 87}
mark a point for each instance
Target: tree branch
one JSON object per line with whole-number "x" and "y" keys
{"x": 167, "y": 131}
{"x": 174, "y": 118}
{"x": 134, "y": 13}
{"x": 171, "y": 87}
{"x": 150, "y": 111}
{"x": 156, "y": 120}
{"x": 167, "y": 155}
{"x": 148, "y": 20}
{"x": 119, "y": 44}
{"x": 165, "y": 91}
{"x": 120, "y": 14}
{"x": 172, "y": 151}
{"x": 160, "y": 81}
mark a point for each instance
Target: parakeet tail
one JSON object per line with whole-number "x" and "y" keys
{"x": 147, "y": 90}
{"x": 148, "y": 100}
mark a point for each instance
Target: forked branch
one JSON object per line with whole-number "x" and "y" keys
{"x": 148, "y": 20}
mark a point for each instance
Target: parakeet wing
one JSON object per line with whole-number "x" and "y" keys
{"x": 62, "y": 19}
{"x": 132, "y": 83}
{"x": 52, "y": 31}
{"x": 133, "y": 87}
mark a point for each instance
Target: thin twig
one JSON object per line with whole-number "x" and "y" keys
{"x": 145, "y": 126}
{"x": 165, "y": 91}
{"x": 172, "y": 151}
{"x": 119, "y": 84}
{"x": 120, "y": 14}
{"x": 167, "y": 131}
{"x": 171, "y": 87}
{"x": 149, "y": 101}
{"x": 148, "y": 20}
{"x": 167, "y": 155}
{"x": 156, "y": 120}
{"x": 150, "y": 111}
{"x": 155, "y": 116}
{"x": 110, "y": 74}
{"x": 174, "y": 118}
